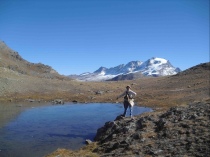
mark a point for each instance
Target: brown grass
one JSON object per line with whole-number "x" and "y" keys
{"x": 83, "y": 152}
{"x": 153, "y": 92}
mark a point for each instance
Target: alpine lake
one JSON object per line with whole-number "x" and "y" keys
{"x": 37, "y": 129}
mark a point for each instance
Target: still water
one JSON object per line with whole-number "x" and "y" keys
{"x": 39, "y": 130}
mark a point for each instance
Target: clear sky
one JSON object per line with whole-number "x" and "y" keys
{"x": 76, "y": 36}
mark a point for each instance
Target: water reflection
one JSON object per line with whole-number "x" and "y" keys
{"x": 37, "y": 131}
{"x": 8, "y": 111}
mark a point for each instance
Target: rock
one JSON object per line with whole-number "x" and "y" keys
{"x": 30, "y": 100}
{"x": 180, "y": 131}
{"x": 87, "y": 141}
{"x": 58, "y": 101}
{"x": 99, "y": 92}
{"x": 119, "y": 117}
{"x": 91, "y": 97}
{"x": 160, "y": 124}
{"x": 74, "y": 101}
{"x": 109, "y": 91}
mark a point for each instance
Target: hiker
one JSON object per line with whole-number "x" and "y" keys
{"x": 128, "y": 100}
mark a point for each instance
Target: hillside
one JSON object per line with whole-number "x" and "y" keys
{"x": 11, "y": 60}
{"x": 21, "y": 80}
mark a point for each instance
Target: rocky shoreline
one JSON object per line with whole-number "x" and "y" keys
{"x": 180, "y": 131}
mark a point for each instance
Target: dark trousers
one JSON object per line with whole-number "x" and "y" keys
{"x": 126, "y": 105}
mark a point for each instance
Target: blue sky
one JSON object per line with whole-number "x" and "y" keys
{"x": 76, "y": 36}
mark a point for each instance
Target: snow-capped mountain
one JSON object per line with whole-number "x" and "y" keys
{"x": 151, "y": 67}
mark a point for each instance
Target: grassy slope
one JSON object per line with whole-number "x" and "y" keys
{"x": 190, "y": 85}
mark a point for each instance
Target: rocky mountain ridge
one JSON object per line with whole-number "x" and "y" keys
{"x": 130, "y": 76}
{"x": 152, "y": 67}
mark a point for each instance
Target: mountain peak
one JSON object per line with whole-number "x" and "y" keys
{"x": 152, "y": 67}
{"x": 101, "y": 70}
{"x": 156, "y": 60}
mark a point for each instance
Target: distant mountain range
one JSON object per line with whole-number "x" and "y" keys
{"x": 135, "y": 69}
{"x": 10, "y": 59}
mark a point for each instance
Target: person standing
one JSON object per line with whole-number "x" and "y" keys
{"x": 128, "y": 100}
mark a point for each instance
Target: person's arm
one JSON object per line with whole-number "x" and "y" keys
{"x": 121, "y": 95}
{"x": 133, "y": 94}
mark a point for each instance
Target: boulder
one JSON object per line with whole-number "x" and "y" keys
{"x": 58, "y": 101}
{"x": 87, "y": 141}
{"x": 99, "y": 92}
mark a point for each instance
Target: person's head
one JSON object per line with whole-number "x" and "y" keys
{"x": 128, "y": 87}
